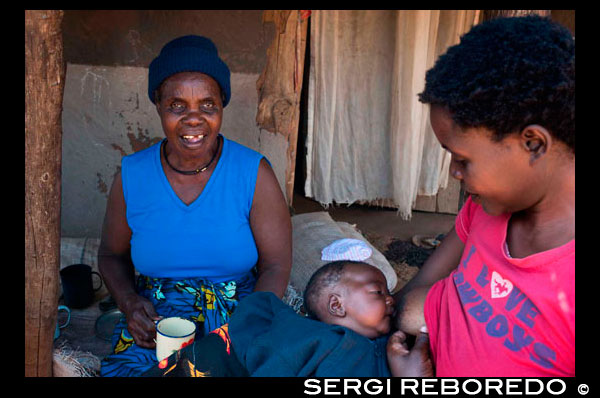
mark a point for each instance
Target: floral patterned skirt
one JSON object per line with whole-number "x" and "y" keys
{"x": 207, "y": 304}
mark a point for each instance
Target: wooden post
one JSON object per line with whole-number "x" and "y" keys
{"x": 44, "y": 85}
{"x": 280, "y": 84}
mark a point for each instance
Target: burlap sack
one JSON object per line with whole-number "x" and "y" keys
{"x": 314, "y": 231}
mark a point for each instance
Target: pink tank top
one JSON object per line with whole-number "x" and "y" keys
{"x": 498, "y": 316}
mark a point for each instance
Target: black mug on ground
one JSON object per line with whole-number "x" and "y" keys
{"x": 77, "y": 284}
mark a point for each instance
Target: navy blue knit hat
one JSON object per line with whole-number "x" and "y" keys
{"x": 189, "y": 54}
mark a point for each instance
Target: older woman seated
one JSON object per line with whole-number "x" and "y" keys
{"x": 201, "y": 217}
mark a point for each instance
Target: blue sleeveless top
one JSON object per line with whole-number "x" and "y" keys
{"x": 209, "y": 238}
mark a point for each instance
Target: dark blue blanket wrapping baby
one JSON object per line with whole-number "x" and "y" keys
{"x": 265, "y": 337}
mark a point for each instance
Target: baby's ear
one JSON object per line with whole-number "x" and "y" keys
{"x": 335, "y": 305}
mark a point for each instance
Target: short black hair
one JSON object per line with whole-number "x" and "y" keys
{"x": 506, "y": 74}
{"x": 325, "y": 277}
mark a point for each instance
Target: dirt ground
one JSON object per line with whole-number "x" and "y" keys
{"x": 404, "y": 257}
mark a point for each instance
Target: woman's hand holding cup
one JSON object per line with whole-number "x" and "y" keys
{"x": 141, "y": 320}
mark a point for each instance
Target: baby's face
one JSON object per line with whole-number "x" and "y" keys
{"x": 367, "y": 301}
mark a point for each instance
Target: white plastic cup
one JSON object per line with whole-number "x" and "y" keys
{"x": 172, "y": 334}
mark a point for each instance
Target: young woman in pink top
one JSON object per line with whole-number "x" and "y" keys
{"x": 498, "y": 295}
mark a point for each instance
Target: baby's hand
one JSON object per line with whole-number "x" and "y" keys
{"x": 413, "y": 363}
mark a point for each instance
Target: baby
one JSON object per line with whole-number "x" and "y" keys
{"x": 355, "y": 295}
{"x": 350, "y": 294}
{"x": 349, "y": 311}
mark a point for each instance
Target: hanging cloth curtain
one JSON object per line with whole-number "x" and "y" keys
{"x": 369, "y": 138}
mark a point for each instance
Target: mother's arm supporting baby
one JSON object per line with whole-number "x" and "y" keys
{"x": 410, "y": 318}
{"x": 410, "y": 299}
